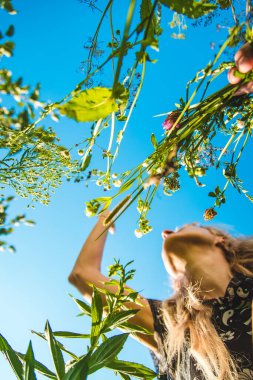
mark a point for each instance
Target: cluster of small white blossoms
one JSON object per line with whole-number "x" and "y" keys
{"x": 106, "y": 179}
{"x": 144, "y": 227}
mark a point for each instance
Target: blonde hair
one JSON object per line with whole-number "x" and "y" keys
{"x": 190, "y": 333}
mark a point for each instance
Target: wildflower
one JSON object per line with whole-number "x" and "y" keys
{"x": 142, "y": 206}
{"x": 80, "y": 152}
{"x": 65, "y": 153}
{"x": 117, "y": 183}
{"x": 172, "y": 183}
{"x": 91, "y": 208}
{"x": 240, "y": 124}
{"x": 170, "y": 120}
{"x": 138, "y": 233}
{"x": 209, "y": 213}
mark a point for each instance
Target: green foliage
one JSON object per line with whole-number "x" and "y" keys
{"x": 190, "y": 8}
{"x": 103, "y": 351}
{"x": 29, "y": 366}
{"x": 132, "y": 369}
{"x": 55, "y": 352}
{"x": 149, "y": 20}
{"x": 12, "y": 357}
{"x": 32, "y": 163}
{"x": 90, "y": 105}
{"x": 106, "y": 352}
{"x": 7, "y": 6}
{"x": 7, "y": 225}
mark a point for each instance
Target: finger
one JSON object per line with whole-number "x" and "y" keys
{"x": 245, "y": 89}
{"x": 244, "y": 58}
{"x": 112, "y": 230}
{"x": 231, "y": 77}
{"x": 238, "y": 55}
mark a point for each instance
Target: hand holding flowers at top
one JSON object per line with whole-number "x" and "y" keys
{"x": 244, "y": 64}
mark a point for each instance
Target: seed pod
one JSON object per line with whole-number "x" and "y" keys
{"x": 116, "y": 209}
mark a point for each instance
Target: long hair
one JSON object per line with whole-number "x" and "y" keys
{"x": 190, "y": 333}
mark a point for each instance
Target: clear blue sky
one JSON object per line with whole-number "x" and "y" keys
{"x": 33, "y": 282}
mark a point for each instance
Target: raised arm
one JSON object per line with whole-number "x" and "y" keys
{"x": 87, "y": 269}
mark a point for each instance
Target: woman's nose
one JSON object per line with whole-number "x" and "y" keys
{"x": 166, "y": 233}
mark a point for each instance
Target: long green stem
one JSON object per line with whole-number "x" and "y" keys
{"x": 111, "y": 140}
{"x": 207, "y": 70}
{"x": 132, "y": 107}
{"x": 129, "y": 18}
{"x": 94, "y": 39}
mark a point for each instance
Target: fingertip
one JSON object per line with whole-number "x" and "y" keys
{"x": 112, "y": 231}
{"x": 238, "y": 55}
{"x": 231, "y": 77}
{"x": 245, "y": 64}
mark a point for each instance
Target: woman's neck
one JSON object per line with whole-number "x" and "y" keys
{"x": 210, "y": 269}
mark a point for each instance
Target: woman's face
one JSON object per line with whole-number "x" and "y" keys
{"x": 179, "y": 244}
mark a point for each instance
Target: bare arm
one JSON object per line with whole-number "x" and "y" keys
{"x": 87, "y": 270}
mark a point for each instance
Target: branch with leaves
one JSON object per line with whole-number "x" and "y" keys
{"x": 102, "y": 352}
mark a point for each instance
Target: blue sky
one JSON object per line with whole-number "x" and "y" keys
{"x": 49, "y": 41}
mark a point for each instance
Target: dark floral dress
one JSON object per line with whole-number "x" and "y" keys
{"x": 231, "y": 317}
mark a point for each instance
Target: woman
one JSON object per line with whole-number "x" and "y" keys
{"x": 204, "y": 330}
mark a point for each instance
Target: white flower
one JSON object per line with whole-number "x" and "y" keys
{"x": 80, "y": 152}
{"x": 240, "y": 124}
{"x": 138, "y": 233}
{"x": 117, "y": 183}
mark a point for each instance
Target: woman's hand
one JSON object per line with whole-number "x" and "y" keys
{"x": 244, "y": 63}
{"x": 104, "y": 215}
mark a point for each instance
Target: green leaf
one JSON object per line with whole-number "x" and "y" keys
{"x": 10, "y": 31}
{"x": 56, "y": 352}
{"x": 79, "y": 371}
{"x": 59, "y": 344}
{"x": 114, "y": 320}
{"x": 190, "y": 8}
{"x": 124, "y": 376}
{"x": 106, "y": 352}
{"x": 86, "y": 162}
{"x": 145, "y": 12}
{"x": 153, "y": 140}
{"x": 29, "y": 366}
{"x": 249, "y": 197}
{"x": 126, "y": 186}
{"x": 132, "y": 369}
{"x": 7, "y": 6}
{"x": 12, "y": 357}
{"x": 68, "y": 334}
{"x": 90, "y": 105}
{"x": 84, "y": 307}
{"x": 224, "y": 4}
{"x": 96, "y": 315}
{"x": 41, "y": 368}
{"x": 131, "y": 328}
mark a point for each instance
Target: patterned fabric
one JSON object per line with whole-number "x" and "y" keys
{"x": 231, "y": 317}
